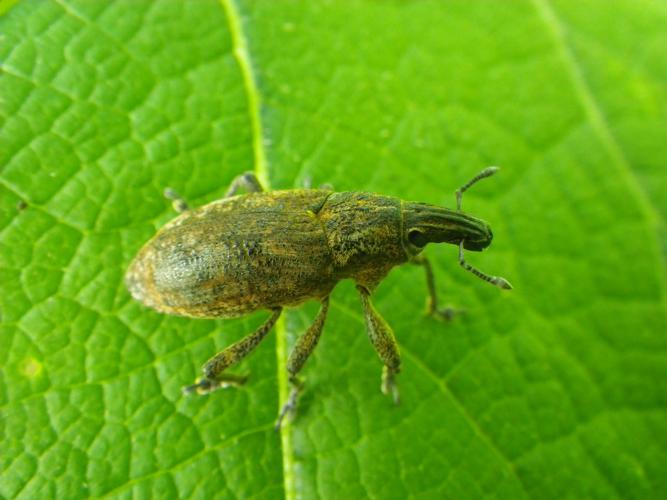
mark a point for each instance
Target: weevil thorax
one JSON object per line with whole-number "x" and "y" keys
{"x": 363, "y": 232}
{"x": 424, "y": 223}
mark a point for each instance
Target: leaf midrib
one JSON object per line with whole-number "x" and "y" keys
{"x": 240, "y": 51}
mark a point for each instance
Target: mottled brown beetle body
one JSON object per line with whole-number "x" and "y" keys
{"x": 270, "y": 249}
{"x": 266, "y": 250}
{"x": 234, "y": 256}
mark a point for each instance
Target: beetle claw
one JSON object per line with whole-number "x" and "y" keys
{"x": 446, "y": 313}
{"x": 205, "y": 385}
{"x": 201, "y": 386}
{"x": 288, "y": 408}
{"x": 389, "y": 386}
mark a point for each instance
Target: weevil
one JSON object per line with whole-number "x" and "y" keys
{"x": 271, "y": 250}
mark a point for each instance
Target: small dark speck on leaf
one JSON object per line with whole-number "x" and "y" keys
{"x": 21, "y": 205}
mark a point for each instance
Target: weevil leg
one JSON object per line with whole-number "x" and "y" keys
{"x": 303, "y": 348}
{"x": 179, "y": 204}
{"x": 382, "y": 338}
{"x": 446, "y": 313}
{"x": 213, "y": 377}
{"x": 247, "y": 181}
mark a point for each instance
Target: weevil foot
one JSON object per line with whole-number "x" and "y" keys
{"x": 179, "y": 204}
{"x": 247, "y": 181}
{"x": 205, "y": 385}
{"x": 389, "y": 386}
{"x": 291, "y": 404}
{"x": 288, "y": 408}
{"x": 445, "y": 313}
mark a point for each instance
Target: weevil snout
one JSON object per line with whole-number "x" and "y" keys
{"x": 432, "y": 224}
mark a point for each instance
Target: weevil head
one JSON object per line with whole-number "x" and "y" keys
{"x": 424, "y": 223}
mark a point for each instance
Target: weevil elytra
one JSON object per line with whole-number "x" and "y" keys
{"x": 269, "y": 250}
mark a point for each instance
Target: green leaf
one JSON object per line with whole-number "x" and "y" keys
{"x": 557, "y": 388}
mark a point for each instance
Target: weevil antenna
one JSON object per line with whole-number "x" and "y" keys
{"x": 487, "y": 172}
{"x": 494, "y": 280}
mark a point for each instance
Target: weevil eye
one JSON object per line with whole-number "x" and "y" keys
{"x": 417, "y": 238}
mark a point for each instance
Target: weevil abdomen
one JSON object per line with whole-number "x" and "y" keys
{"x": 237, "y": 255}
